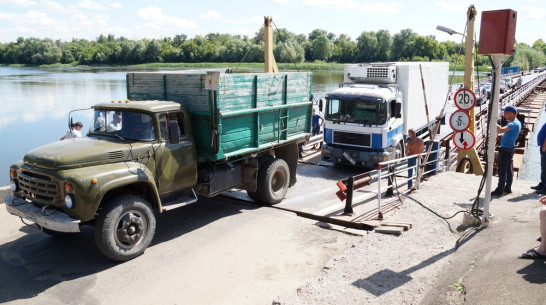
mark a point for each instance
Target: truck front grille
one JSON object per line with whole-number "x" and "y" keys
{"x": 37, "y": 187}
{"x": 355, "y": 139}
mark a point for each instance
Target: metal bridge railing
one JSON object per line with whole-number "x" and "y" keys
{"x": 386, "y": 177}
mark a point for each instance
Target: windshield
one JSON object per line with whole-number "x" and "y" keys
{"x": 352, "y": 111}
{"x": 123, "y": 124}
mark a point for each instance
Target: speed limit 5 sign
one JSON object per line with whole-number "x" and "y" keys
{"x": 465, "y": 99}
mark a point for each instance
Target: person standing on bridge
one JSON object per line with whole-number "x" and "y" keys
{"x": 506, "y": 151}
{"x": 414, "y": 147}
{"x": 541, "y": 142}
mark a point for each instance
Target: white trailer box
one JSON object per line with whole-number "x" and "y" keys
{"x": 408, "y": 78}
{"x": 435, "y": 78}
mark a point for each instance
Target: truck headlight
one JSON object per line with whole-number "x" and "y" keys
{"x": 13, "y": 186}
{"x": 326, "y": 151}
{"x": 68, "y": 201}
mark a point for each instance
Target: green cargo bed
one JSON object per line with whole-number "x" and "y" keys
{"x": 233, "y": 114}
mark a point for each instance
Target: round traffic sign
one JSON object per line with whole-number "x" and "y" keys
{"x": 464, "y": 140}
{"x": 465, "y": 99}
{"x": 459, "y": 120}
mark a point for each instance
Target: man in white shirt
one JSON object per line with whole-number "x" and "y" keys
{"x": 115, "y": 124}
{"x": 74, "y": 132}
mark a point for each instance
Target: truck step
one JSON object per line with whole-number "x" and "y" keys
{"x": 179, "y": 201}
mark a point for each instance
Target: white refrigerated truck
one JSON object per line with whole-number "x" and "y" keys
{"x": 368, "y": 117}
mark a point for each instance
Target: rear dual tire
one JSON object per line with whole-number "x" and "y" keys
{"x": 273, "y": 181}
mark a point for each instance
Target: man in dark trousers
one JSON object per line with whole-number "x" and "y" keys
{"x": 506, "y": 151}
{"x": 541, "y": 142}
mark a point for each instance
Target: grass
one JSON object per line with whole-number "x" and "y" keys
{"x": 460, "y": 67}
{"x": 309, "y": 66}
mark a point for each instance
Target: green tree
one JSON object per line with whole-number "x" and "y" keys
{"x": 321, "y": 48}
{"x": 153, "y": 51}
{"x": 345, "y": 50}
{"x": 384, "y": 44}
{"x": 367, "y": 47}
{"x": 403, "y": 45}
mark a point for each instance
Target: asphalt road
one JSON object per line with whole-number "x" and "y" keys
{"x": 216, "y": 251}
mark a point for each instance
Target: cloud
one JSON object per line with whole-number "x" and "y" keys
{"x": 457, "y": 5}
{"x": 331, "y": 4}
{"x": 157, "y": 20}
{"x": 211, "y": 15}
{"x": 531, "y": 13}
{"x": 51, "y": 6}
{"x": 91, "y": 5}
{"x": 23, "y": 3}
{"x": 382, "y": 8}
{"x": 116, "y": 5}
{"x": 258, "y": 20}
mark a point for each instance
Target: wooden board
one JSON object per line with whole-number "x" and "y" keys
{"x": 404, "y": 225}
{"x": 389, "y": 229}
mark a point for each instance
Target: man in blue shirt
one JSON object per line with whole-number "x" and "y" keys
{"x": 541, "y": 142}
{"x": 506, "y": 151}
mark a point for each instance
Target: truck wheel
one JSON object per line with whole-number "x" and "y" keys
{"x": 125, "y": 227}
{"x": 273, "y": 181}
{"x": 253, "y": 195}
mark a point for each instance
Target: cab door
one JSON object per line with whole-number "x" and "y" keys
{"x": 176, "y": 167}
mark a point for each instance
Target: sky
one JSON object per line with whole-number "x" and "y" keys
{"x": 138, "y": 19}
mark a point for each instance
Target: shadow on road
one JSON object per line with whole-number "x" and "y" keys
{"x": 535, "y": 272}
{"x": 386, "y": 280}
{"x": 37, "y": 262}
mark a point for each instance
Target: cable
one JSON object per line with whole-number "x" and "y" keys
{"x": 423, "y": 205}
{"x": 248, "y": 51}
{"x": 461, "y": 163}
{"x": 282, "y": 42}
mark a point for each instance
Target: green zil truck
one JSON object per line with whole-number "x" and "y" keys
{"x": 178, "y": 135}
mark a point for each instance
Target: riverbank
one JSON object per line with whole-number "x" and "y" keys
{"x": 307, "y": 66}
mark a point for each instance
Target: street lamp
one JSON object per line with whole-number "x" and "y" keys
{"x": 448, "y": 30}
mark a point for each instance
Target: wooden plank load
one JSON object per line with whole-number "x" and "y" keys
{"x": 236, "y": 114}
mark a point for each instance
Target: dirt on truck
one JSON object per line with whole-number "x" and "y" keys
{"x": 177, "y": 136}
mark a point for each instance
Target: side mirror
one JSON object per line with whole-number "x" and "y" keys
{"x": 320, "y": 104}
{"x": 398, "y": 110}
{"x": 174, "y": 132}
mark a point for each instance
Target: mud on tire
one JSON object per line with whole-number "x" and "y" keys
{"x": 125, "y": 227}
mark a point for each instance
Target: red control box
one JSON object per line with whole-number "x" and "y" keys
{"x": 498, "y": 32}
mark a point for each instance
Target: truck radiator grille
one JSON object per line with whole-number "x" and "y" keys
{"x": 355, "y": 139}
{"x": 38, "y": 188}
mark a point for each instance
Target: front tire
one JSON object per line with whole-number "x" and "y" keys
{"x": 273, "y": 181}
{"x": 125, "y": 227}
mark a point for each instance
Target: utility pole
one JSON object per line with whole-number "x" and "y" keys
{"x": 471, "y": 154}
{"x": 269, "y": 58}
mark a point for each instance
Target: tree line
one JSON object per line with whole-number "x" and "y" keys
{"x": 319, "y": 45}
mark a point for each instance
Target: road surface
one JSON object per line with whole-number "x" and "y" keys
{"x": 216, "y": 251}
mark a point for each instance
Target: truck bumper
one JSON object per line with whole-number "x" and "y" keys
{"x": 362, "y": 158}
{"x": 47, "y": 218}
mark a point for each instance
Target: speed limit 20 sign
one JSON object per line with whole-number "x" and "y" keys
{"x": 465, "y": 99}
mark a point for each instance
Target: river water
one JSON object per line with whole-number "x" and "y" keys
{"x": 35, "y": 104}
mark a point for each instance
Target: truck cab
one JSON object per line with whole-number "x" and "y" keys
{"x": 368, "y": 116}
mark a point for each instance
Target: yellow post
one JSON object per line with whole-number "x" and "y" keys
{"x": 269, "y": 58}
{"x": 471, "y": 154}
